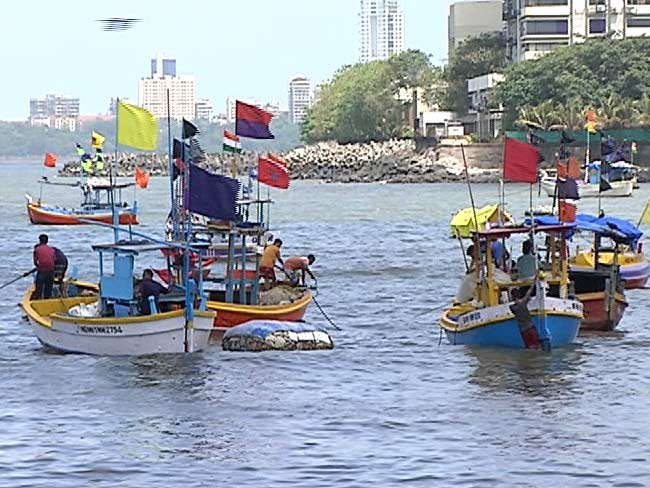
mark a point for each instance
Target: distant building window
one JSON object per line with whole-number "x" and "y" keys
{"x": 638, "y": 21}
{"x": 597, "y": 26}
{"x": 539, "y": 3}
{"x": 546, "y": 27}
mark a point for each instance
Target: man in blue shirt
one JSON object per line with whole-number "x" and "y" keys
{"x": 527, "y": 263}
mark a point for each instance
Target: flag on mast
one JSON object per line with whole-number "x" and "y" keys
{"x": 231, "y": 142}
{"x": 97, "y": 140}
{"x": 273, "y": 174}
{"x": 252, "y": 121}
{"x": 645, "y": 216}
{"x": 520, "y": 161}
{"x": 136, "y": 127}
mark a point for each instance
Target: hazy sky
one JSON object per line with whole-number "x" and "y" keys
{"x": 241, "y": 48}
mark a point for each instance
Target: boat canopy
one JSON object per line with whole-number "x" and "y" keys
{"x": 620, "y": 230}
{"x": 462, "y": 223}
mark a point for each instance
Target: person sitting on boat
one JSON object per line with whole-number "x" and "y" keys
{"x": 296, "y": 267}
{"x": 150, "y": 288}
{"x": 271, "y": 255}
{"x": 467, "y": 286}
{"x": 519, "y": 309}
{"x": 527, "y": 263}
{"x": 60, "y": 268}
{"x": 44, "y": 259}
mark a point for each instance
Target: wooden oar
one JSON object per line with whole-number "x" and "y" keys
{"x": 24, "y": 275}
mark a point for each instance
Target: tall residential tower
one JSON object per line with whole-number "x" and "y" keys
{"x": 299, "y": 98}
{"x": 152, "y": 91}
{"x": 473, "y": 18}
{"x": 382, "y": 29}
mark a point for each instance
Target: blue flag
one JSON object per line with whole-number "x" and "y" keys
{"x": 214, "y": 196}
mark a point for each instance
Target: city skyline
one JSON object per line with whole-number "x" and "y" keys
{"x": 65, "y": 51}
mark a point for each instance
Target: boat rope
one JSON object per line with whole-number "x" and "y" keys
{"x": 336, "y": 327}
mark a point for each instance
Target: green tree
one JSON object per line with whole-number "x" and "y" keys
{"x": 602, "y": 73}
{"x": 474, "y": 57}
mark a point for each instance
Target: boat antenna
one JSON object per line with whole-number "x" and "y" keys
{"x": 113, "y": 167}
{"x": 171, "y": 165}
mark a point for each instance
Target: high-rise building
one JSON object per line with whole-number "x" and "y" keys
{"x": 163, "y": 65}
{"x": 204, "y": 109}
{"x": 54, "y": 106}
{"x": 473, "y": 18}
{"x": 536, "y": 27}
{"x": 381, "y": 29}
{"x": 299, "y": 98}
{"x": 154, "y": 92}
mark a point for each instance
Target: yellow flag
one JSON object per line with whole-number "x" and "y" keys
{"x": 97, "y": 140}
{"x": 136, "y": 127}
{"x": 645, "y": 216}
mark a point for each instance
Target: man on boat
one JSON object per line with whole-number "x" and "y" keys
{"x": 60, "y": 268}
{"x": 527, "y": 263}
{"x": 297, "y": 266}
{"x": 44, "y": 260}
{"x": 150, "y": 288}
{"x": 271, "y": 255}
{"x": 519, "y": 309}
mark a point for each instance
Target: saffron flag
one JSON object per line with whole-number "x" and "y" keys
{"x": 141, "y": 178}
{"x": 568, "y": 211}
{"x": 574, "y": 168}
{"x": 273, "y": 174}
{"x": 562, "y": 170}
{"x": 136, "y": 127}
{"x": 50, "y": 160}
{"x": 214, "y": 196}
{"x": 252, "y": 121}
{"x": 592, "y": 122}
{"x": 231, "y": 142}
{"x": 520, "y": 161}
{"x": 97, "y": 140}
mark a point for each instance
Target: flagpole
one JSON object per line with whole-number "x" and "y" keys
{"x": 113, "y": 168}
{"x": 171, "y": 163}
{"x": 469, "y": 186}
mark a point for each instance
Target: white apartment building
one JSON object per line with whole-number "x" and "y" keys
{"x": 299, "y": 98}
{"x": 381, "y": 29}
{"x": 473, "y": 18}
{"x": 536, "y": 27}
{"x": 204, "y": 109}
{"x": 152, "y": 94}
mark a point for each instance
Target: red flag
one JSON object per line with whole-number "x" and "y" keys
{"x": 520, "y": 161}
{"x": 568, "y": 211}
{"x": 141, "y": 178}
{"x": 50, "y": 160}
{"x": 562, "y": 170}
{"x": 273, "y": 174}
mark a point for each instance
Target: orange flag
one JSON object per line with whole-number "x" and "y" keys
{"x": 562, "y": 170}
{"x": 141, "y": 178}
{"x": 574, "y": 169}
{"x": 50, "y": 160}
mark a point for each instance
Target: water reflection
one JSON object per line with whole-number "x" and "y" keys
{"x": 527, "y": 373}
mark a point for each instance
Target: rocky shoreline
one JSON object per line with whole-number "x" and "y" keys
{"x": 396, "y": 161}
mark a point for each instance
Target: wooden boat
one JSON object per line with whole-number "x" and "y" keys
{"x": 109, "y": 324}
{"x": 634, "y": 266}
{"x": 95, "y": 205}
{"x": 486, "y": 318}
{"x": 462, "y": 223}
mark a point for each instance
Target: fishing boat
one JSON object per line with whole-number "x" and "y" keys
{"x": 109, "y": 322}
{"x": 634, "y": 266}
{"x": 233, "y": 286}
{"x": 95, "y": 205}
{"x": 486, "y": 319}
{"x": 462, "y": 223}
{"x": 591, "y": 189}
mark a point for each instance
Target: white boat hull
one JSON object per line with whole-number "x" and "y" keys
{"x": 619, "y": 189}
{"x": 133, "y": 336}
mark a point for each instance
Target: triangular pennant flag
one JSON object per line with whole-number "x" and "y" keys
{"x": 141, "y": 178}
{"x": 189, "y": 129}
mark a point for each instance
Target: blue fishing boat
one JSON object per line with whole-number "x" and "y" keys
{"x": 482, "y": 314}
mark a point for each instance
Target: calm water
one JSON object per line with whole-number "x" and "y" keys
{"x": 387, "y": 407}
